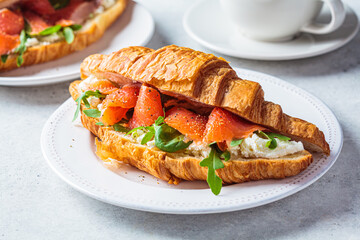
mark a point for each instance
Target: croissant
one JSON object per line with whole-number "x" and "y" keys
{"x": 201, "y": 78}
{"x": 201, "y": 82}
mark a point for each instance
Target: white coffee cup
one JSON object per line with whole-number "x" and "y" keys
{"x": 281, "y": 20}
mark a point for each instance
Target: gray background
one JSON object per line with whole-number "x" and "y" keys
{"x": 36, "y": 204}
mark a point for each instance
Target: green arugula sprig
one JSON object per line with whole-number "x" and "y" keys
{"x": 24, "y": 36}
{"x": 272, "y": 143}
{"x": 83, "y": 98}
{"x": 94, "y": 113}
{"x": 4, "y": 58}
{"x": 67, "y": 31}
{"x": 120, "y": 128}
{"x": 166, "y": 138}
{"x": 214, "y": 162}
{"x": 235, "y": 143}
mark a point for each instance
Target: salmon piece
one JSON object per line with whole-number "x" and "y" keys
{"x": 64, "y": 22}
{"x": 11, "y": 22}
{"x": 36, "y": 22}
{"x": 187, "y": 122}
{"x": 125, "y": 97}
{"x": 104, "y": 86}
{"x": 8, "y": 43}
{"x": 77, "y": 11}
{"x": 148, "y": 107}
{"x": 112, "y": 115}
{"x": 41, "y": 7}
{"x": 226, "y": 126}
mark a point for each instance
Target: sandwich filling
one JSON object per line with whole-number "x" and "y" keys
{"x": 29, "y": 23}
{"x": 145, "y": 116}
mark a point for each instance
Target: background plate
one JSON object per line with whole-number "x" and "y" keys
{"x": 219, "y": 34}
{"x": 69, "y": 150}
{"x": 134, "y": 27}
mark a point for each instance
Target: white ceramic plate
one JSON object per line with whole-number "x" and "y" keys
{"x": 134, "y": 27}
{"x": 207, "y": 24}
{"x": 69, "y": 150}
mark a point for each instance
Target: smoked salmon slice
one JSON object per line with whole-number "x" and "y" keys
{"x": 148, "y": 107}
{"x": 104, "y": 86}
{"x": 11, "y": 22}
{"x": 76, "y": 11}
{"x": 187, "y": 122}
{"x": 41, "y": 7}
{"x": 64, "y": 22}
{"x": 125, "y": 97}
{"x": 36, "y": 23}
{"x": 226, "y": 126}
{"x": 118, "y": 103}
{"x": 112, "y": 115}
{"x": 8, "y": 42}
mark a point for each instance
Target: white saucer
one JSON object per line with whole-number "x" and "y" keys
{"x": 70, "y": 152}
{"x": 207, "y": 24}
{"x": 134, "y": 27}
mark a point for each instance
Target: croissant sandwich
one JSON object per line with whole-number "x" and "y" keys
{"x": 33, "y": 32}
{"x": 177, "y": 113}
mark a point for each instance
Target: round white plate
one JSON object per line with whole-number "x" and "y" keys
{"x": 69, "y": 150}
{"x": 208, "y": 25}
{"x": 134, "y": 27}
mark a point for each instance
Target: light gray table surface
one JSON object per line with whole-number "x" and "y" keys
{"x": 36, "y": 204}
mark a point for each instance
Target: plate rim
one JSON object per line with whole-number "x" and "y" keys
{"x": 45, "y": 80}
{"x": 237, "y": 54}
{"x": 171, "y": 210}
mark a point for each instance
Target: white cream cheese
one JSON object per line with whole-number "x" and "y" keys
{"x": 255, "y": 146}
{"x": 31, "y": 42}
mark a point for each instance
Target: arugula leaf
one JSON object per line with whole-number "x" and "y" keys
{"x": 50, "y": 30}
{"x": 76, "y": 27}
{"x": 58, "y": 4}
{"x": 68, "y": 34}
{"x": 159, "y": 120}
{"x": 94, "y": 113}
{"x": 272, "y": 143}
{"x": 21, "y": 48}
{"x": 225, "y": 155}
{"x": 148, "y": 136}
{"x": 169, "y": 139}
{"x": 279, "y": 136}
{"x": 135, "y": 129}
{"x": 4, "y": 58}
{"x": 235, "y": 143}
{"x": 120, "y": 128}
{"x": 99, "y": 123}
{"x": 213, "y": 162}
{"x": 83, "y": 97}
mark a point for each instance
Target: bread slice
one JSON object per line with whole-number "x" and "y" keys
{"x": 205, "y": 80}
{"x": 92, "y": 30}
{"x": 172, "y": 167}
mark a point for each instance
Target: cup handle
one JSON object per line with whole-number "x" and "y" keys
{"x": 337, "y": 18}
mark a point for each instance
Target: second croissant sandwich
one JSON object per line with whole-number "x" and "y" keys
{"x": 179, "y": 114}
